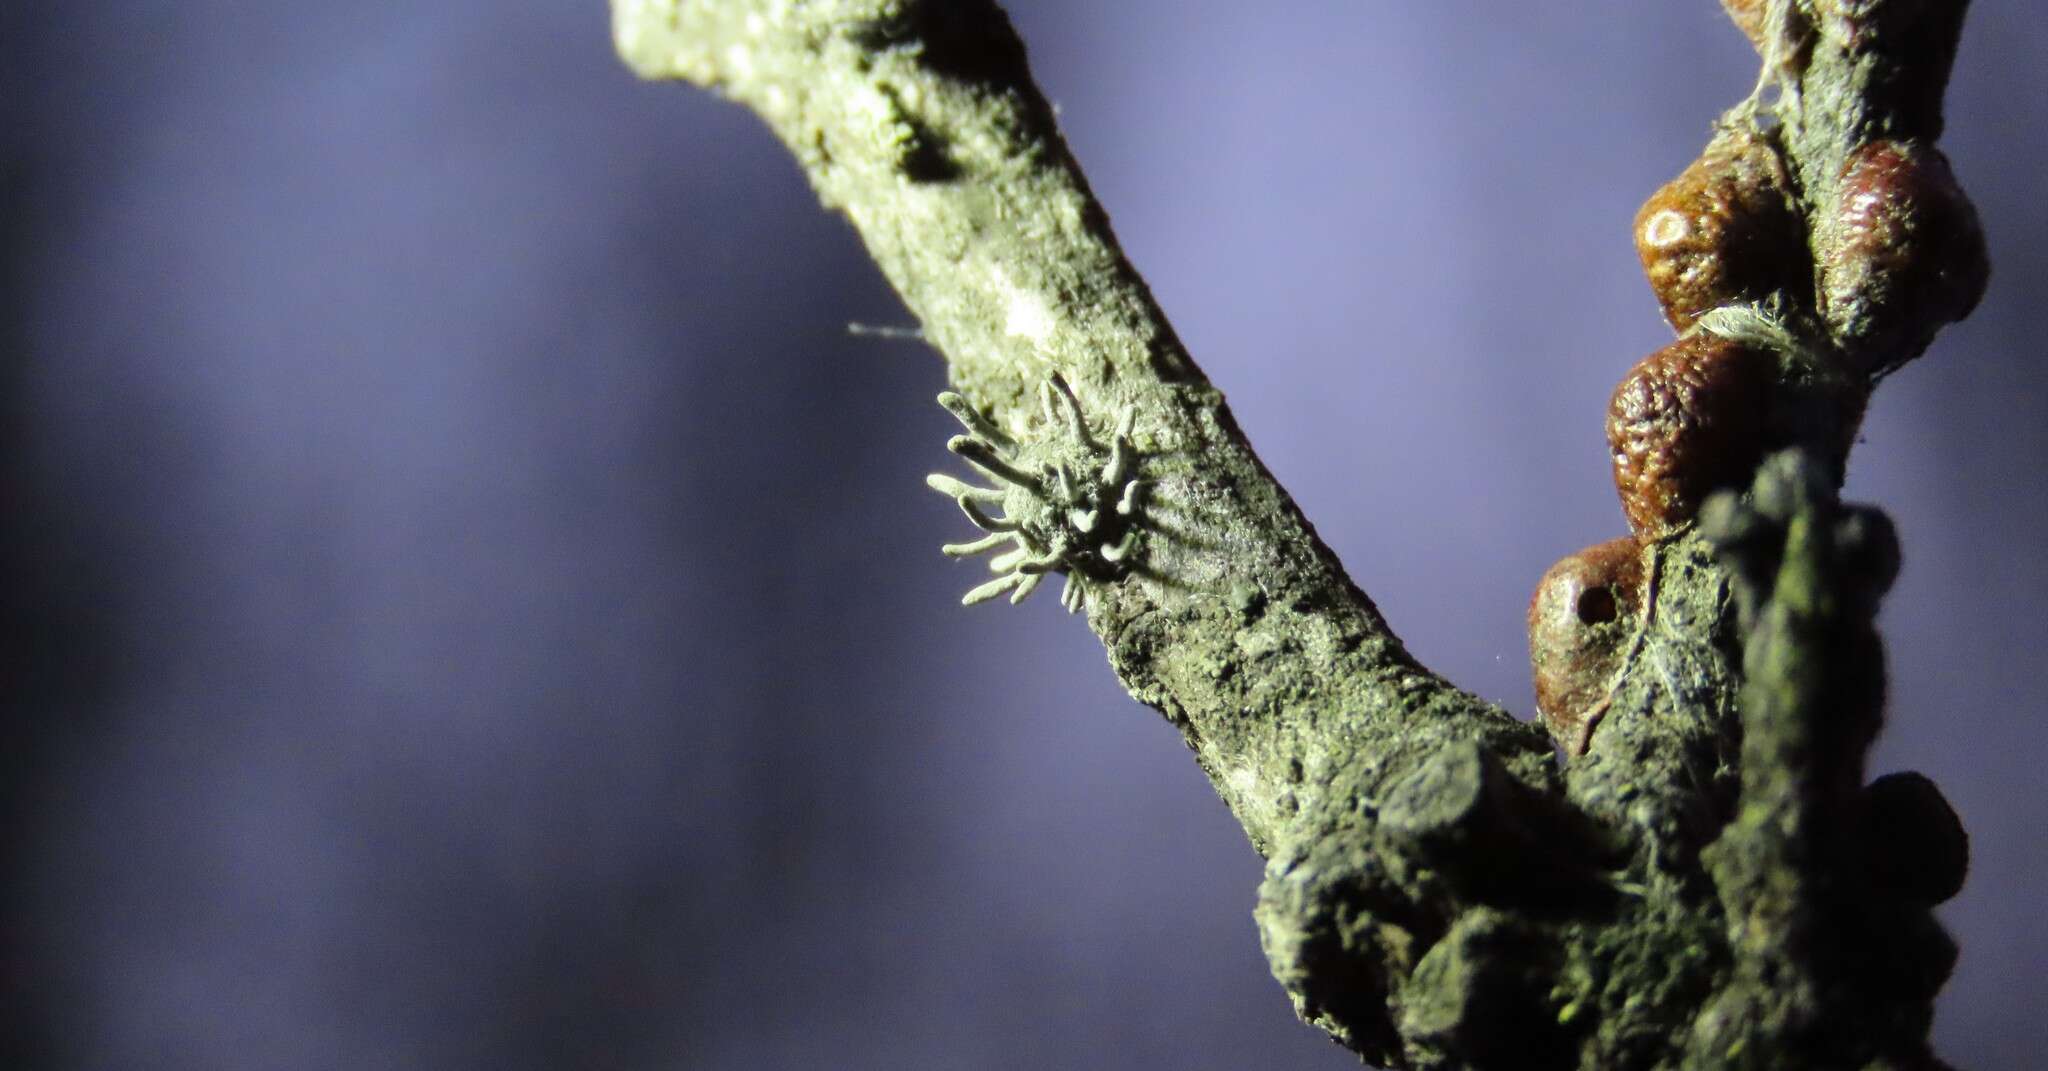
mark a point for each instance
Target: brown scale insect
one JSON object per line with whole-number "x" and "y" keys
{"x": 1723, "y": 232}
{"x": 1900, "y": 254}
{"x": 1583, "y": 620}
{"x": 1686, "y": 420}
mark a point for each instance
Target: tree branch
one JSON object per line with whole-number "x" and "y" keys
{"x": 1438, "y": 893}
{"x": 920, "y": 122}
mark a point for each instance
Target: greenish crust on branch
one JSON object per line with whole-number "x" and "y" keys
{"x": 1855, "y": 71}
{"x": 1835, "y": 956}
{"x": 1438, "y": 894}
{"x": 919, "y": 121}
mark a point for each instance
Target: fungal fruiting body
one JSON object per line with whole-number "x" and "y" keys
{"x": 1069, "y": 500}
{"x": 1900, "y": 253}
{"x": 1583, "y": 619}
{"x": 1687, "y": 420}
{"x": 1723, "y": 232}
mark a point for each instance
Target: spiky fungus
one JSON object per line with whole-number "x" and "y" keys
{"x": 1069, "y": 500}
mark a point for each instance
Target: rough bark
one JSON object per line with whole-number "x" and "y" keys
{"x": 1685, "y": 887}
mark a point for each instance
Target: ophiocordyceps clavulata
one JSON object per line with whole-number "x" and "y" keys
{"x": 1069, "y": 499}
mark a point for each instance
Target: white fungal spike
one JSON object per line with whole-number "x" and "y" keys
{"x": 1128, "y": 504}
{"x": 1064, "y": 480}
{"x": 987, "y": 542}
{"x": 971, "y": 419}
{"x": 992, "y": 589}
{"x": 1079, "y": 513}
{"x": 1119, "y": 464}
{"x": 952, "y": 488}
{"x": 984, "y": 457}
{"x": 1113, "y": 470}
{"x": 1077, "y": 423}
{"x": 985, "y": 522}
{"x": 1040, "y": 565}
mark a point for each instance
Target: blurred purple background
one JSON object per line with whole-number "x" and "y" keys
{"x": 473, "y": 605}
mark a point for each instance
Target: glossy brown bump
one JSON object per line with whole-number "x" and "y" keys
{"x": 1723, "y": 232}
{"x": 1901, "y": 253}
{"x": 1581, "y": 620}
{"x": 1687, "y": 420}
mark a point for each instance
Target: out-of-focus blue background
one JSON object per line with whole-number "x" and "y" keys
{"x": 470, "y": 604}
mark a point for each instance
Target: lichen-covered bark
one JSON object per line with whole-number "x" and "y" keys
{"x": 920, "y": 123}
{"x": 1440, "y": 891}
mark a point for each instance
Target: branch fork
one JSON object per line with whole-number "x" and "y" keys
{"x": 1442, "y": 889}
